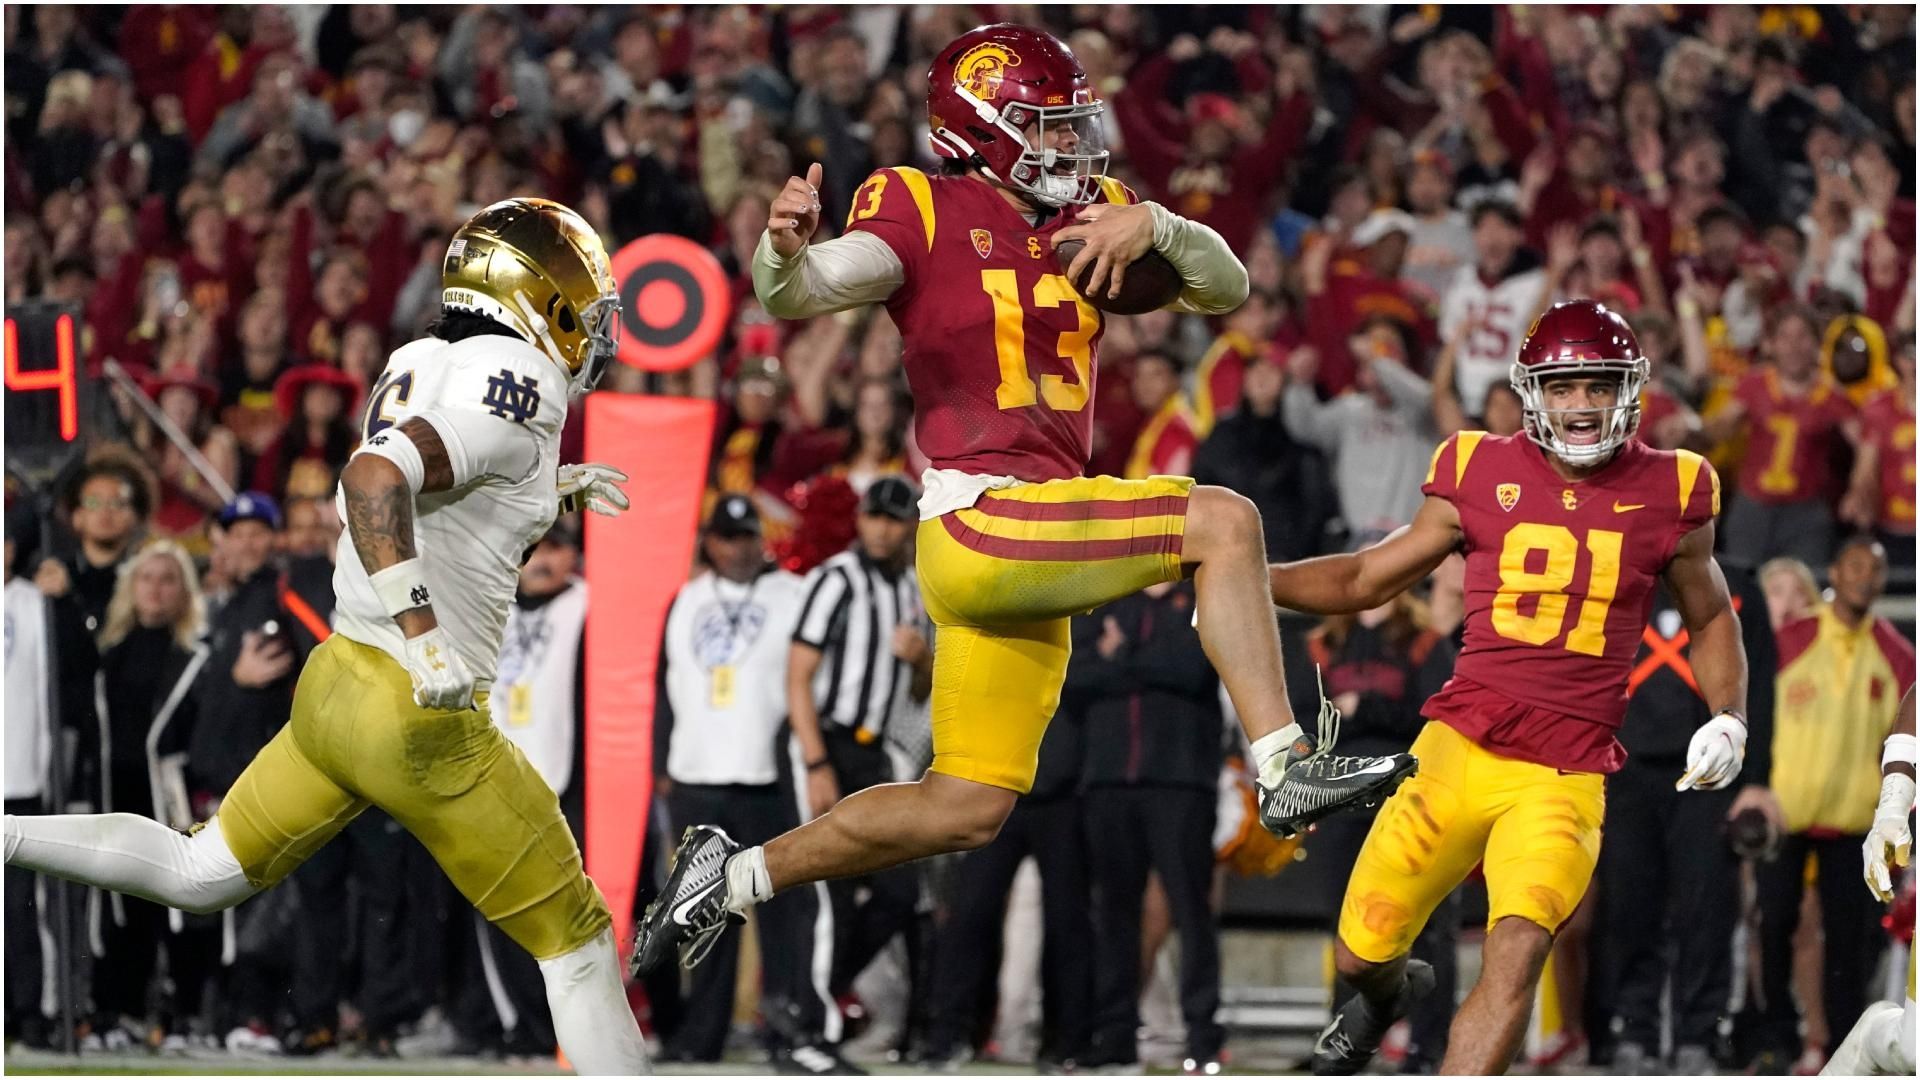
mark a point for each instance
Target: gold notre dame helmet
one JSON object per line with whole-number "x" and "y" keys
{"x": 538, "y": 267}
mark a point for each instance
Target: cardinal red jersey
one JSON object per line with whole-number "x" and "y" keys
{"x": 1790, "y": 449}
{"x": 998, "y": 347}
{"x": 1560, "y": 578}
{"x": 1887, "y": 425}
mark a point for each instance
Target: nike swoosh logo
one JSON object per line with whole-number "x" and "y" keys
{"x": 685, "y": 907}
{"x": 1378, "y": 768}
{"x": 1621, "y": 508}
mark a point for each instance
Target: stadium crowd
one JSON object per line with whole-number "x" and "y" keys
{"x": 248, "y": 206}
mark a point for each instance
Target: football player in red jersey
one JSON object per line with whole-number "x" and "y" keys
{"x": 1565, "y": 531}
{"x": 1013, "y": 539}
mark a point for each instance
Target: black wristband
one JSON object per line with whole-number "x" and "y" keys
{"x": 821, "y": 764}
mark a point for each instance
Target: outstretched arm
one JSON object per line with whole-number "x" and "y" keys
{"x": 1370, "y": 577}
{"x": 1890, "y": 841}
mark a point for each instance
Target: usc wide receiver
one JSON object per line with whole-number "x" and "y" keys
{"x": 1565, "y": 530}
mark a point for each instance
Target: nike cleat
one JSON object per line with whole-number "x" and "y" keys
{"x": 1349, "y": 1041}
{"x": 1317, "y": 782}
{"x": 691, "y": 913}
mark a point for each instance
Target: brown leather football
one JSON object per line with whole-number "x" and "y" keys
{"x": 1150, "y": 284}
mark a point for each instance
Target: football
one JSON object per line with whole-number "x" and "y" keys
{"x": 1151, "y": 282}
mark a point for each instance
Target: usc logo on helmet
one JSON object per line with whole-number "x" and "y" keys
{"x": 981, "y": 69}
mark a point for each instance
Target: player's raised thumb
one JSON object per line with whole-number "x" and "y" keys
{"x": 814, "y": 175}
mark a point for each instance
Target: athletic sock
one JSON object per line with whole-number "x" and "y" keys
{"x": 748, "y": 882}
{"x": 1270, "y": 754}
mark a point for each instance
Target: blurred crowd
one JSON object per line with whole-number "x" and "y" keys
{"x": 248, "y": 204}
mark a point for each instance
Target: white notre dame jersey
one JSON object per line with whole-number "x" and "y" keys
{"x": 1488, "y": 323}
{"x": 498, "y": 404}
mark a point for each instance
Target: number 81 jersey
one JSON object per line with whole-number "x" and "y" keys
{"x": 998, "y": 348}
{"x": 1559, "y": 582}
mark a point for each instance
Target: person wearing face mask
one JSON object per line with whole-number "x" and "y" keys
{"x": 1796, "y": 419}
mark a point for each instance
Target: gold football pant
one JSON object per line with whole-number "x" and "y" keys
{"x": 1535, "y": 829}
{"x": 1000, "y": 580}
{"x": 356, "y": 740}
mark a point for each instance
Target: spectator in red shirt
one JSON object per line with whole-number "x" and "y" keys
{"x": 321, "y": 321}
{"x": 1578, "y": 188}
{"x": 1345, "y": 289}
{"x": 1795, "y": 417}
{"x": 317, "y": 404}
{"x": 1166, "y": 443}
{"x": 1882, "y": 492}
{"x": 1213, "y": 163}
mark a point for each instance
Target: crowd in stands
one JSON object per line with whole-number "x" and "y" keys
{"x": 248, "y": 205}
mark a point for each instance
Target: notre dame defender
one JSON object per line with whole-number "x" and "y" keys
{"x": 458, "y": 473}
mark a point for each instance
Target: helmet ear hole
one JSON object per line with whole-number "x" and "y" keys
{"x": 565, "y": 319}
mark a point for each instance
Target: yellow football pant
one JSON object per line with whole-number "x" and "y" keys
{"x": 1000, "y": 580}
{"x": 357, "y": 739}
{"x": 1536, "y": 829}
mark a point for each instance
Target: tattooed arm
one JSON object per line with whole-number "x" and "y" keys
{"x": 379, "y": 502}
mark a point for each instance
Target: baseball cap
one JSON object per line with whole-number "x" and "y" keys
{"x": 890, "y": 496}
{"x": 734, "y": 515}
{"x": 1381, "y": 224}
{"x": 251, "y": 506}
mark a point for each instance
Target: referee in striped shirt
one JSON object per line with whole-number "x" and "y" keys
{"x": 860, "y": 657}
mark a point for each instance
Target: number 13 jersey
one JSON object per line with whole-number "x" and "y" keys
{"x": 1559, "y": 582}
{"x": 998, "y": 347}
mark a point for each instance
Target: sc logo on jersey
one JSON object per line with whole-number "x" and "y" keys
{"x": 512, "y": 399}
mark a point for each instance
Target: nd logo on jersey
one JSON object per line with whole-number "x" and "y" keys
{"x": 512, "y": 399}
{"x": 1509, "y": 496}
{"x": 982, "y": 68}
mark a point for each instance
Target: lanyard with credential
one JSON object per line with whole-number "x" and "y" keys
{"x": 720, "y": 684}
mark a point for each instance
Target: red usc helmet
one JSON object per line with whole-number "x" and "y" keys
{"x": 1580, "y": 338}
{"x": 990, "y": 84}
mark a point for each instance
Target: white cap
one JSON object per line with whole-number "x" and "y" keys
{"x": 1381, "y": 224}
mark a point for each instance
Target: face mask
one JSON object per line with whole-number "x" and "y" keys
{"x": 405, "y": 126}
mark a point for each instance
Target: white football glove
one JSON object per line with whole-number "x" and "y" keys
{"x": 440, "y": 679}
{"x": 1890, "y": 841}
{"x": 592, "y": 487}
{"x": 1715, "y": 755}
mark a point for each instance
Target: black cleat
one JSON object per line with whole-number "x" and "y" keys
{"x": 1318, "y": 783}
{"x": 691, "y": 912}
{"x": 1349, "y": 1041}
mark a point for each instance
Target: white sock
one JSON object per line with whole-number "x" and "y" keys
{"x": 591, "y": 1018}
{"x": 1270, "y": 754}
{"x": 748, "y": 882}
{"x": 130, "y": 854}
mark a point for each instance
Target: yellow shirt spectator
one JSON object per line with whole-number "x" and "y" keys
{"x": 1837, "y": 695}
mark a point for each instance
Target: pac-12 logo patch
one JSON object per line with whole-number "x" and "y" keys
{"x": 981, "y": 69}
{"x": 1509, "y": 496}
{"x": 983, "y": 242}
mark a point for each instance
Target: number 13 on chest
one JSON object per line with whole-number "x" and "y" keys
{"x": 1017, "y": 389}
{"x": 1549, "y": 584}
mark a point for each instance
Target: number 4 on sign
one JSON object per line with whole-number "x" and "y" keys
{"x": 59, "y": 377}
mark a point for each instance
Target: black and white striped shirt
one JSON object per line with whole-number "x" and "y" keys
{"x": 850, "y": 614}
